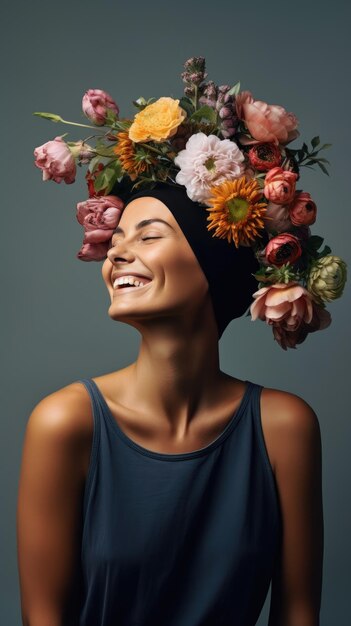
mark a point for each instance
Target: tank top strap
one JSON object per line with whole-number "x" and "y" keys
{"x": 98, "y": 417}
{"x": 255, "y": 406}
{"x": 256, "y": 418}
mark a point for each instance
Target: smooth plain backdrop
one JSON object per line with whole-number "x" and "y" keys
{"x": 54, "y": 321}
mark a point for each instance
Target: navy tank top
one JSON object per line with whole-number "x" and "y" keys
{"x": 185, "y": 539}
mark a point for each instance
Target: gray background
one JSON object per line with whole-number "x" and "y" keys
{"x": 55, "y": 326}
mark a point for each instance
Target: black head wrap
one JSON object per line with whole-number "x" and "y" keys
{"x": 228, "y": 269}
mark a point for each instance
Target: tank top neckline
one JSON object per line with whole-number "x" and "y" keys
{"x": 232, "y": 423}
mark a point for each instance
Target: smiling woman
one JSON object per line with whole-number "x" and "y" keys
{"x": 154, "y": 453}
{"x": 155, "y": 250}
{"x": 120, "y": 279}
{"x": 218, "y": 261}
{"x": 169, "y": 492}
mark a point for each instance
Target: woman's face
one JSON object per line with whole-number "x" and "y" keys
{"x": 174, "y": 283}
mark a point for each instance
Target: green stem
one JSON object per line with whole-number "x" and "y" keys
{"x": 148, "y": 147}
{"x": 196, "y": 96}
{"x": 77, "y": 124}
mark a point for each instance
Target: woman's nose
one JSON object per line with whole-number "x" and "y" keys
{"x": 119, "y": 252}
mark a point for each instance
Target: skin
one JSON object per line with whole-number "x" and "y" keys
{"x": 173, "y": 398}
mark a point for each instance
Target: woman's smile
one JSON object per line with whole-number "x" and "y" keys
{"x": 127, "y": 289}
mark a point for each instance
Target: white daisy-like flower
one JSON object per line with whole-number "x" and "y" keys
{"x": 207, "y": 160}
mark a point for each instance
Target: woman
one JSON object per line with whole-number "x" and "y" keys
{"x": 169, "y": 492}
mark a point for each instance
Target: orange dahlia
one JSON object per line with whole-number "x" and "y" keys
{"x": 236, "y": 211}
{"x": 128, "y": 157}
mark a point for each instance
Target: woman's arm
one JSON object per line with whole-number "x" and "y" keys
{"x": 297, "y": 580}
{"x": 49, "y": 510}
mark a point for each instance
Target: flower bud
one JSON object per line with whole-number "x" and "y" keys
{"x": 303, "y": 210}
{"x": 327, "y": 278}
{"x": 97, "y": 105}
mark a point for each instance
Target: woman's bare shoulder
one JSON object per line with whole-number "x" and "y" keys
{"x": 288, "y": 420}
{"x": 66, "y": 409}
{"x": 67, "y": 412}
{"x": 286, "y": 409}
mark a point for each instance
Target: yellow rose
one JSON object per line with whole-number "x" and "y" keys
{"x": 158, "y": 121}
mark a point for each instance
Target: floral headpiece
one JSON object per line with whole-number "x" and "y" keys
{"x": 230, "y": 153}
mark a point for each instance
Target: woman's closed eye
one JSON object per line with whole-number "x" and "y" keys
{"x": 112, "y": 244}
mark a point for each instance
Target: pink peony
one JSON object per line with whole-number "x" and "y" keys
{"x": 207, "y": 161}
{"x": 279, "y": 185}
{"x": 265, "y": 122}
{"x": 276, "y": 218}
{"x": 56, "y": 160}
{"x": 284, "y": 248}
{"x": 302, "y": 210}
{"x": 95, "y": 104}
{"x": 289, "y": 338}
{"x": 99, "y": 216}
{"x": 289, "y": 304}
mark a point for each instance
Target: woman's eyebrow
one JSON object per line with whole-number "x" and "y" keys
{"x": 143, "y": 223}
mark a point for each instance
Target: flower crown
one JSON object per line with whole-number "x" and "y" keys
{"x": 230, "y": 153}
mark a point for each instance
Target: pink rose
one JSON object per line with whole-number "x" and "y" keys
{"x": 56, "y": 160}
{"x": 99, "y": 216}
{"x": 289, "y": 304}
{"x": 265, "y": 122}
{"x": 276, "y": 218}
{"x": 289, "y": 338}
{"x": 284, "y": 248}
{"x": 303, "y": 210}
{"x": 279, "y": 185}
{"x": 95, "y": 104}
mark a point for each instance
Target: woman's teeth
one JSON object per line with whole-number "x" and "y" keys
{"x": 127, "y": 280}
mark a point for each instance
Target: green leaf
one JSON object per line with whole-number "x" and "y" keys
{"x": 311, "y": 162}
{"x": 304, "y": 147}
{"x": 107, "y": 178}
{"x": 205, "y": 112}
{"x": 314, "y": 242}
{"x": 325, "y": 145}
{"x": 105, "y": 151}
{"x": 315, "y": 141}
{"x": 234, "y": 90}
{"x": 326, "y": 250}
{"x": 187, "y": 105}
{"x": 324, "y": 161}
{"x": 49, "y": 116}
{"x": 111, "y": 117}
{"x": 141, "y": 103}
{"x": 323, "y": 168}
{"x": 93, "y": 163}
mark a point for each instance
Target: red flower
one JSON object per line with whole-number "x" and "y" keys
{"x": 264, "y": 156}
{"x": 284, "y": 248}
{"x": 303, "y": 210}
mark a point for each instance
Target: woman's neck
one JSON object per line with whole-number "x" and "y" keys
{"x": 176, "y": 374}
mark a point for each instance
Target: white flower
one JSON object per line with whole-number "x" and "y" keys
{"x": 207, "y": 160}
